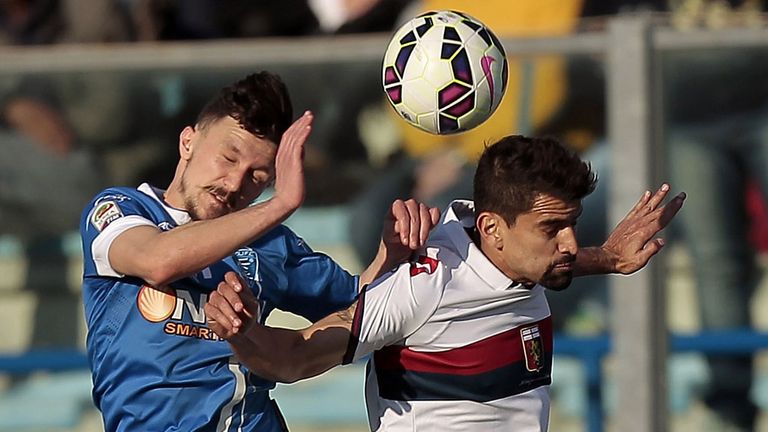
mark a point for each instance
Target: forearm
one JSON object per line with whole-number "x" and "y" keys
{"x": 381, "y": 263}
{"x": 161, "y": 258}
{"x": 269, "y": 352}
{"x": 288, "y": 356}
{"x": 594, "y": 260}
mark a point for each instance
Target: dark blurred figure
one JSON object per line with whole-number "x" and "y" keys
{"x": 435, "y": 169}
{"x": 219, "y": 19}
{"x": 336, "y": 159}
{"x": 716, "y": 105}
{"x": 57, "y": 130}
{"x": 716, "y": 109}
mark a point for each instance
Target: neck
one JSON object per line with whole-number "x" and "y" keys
{"x": 495, "y": 256}
{"x": 173, "y": 195}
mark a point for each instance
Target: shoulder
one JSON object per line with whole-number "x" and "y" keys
{"x": 120, "y": 194}
{"x": 115, "y": 203}
{"x": 282, "y": 239}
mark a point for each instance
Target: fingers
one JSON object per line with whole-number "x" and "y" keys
{"x": 648, "y": 203}
{"x": 662, "y": 216}
{"x": 649, "y": 250}
{"x": 289, "y": 166}
{"x": 400, "y": 215}
{"x": 234, "y": 280}
{"x": 640, "y": 203}
{"x": 220, "y": 320}
{"x": 434, "y": 214}
{"x": 299, "y": 130}
{"x": 231, "y": 306}
{"x": 669, "y": 211}
{"x": 658, "y": 197}
{"x": 406, "y": 216}
{"x": 425, "y": 223}
{"x": 413, "y": 222}
{"x": 292, "y": 142}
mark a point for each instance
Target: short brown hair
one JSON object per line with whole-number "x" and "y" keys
{"x": 259, "y": 102}
{"x": 514, "y": 170}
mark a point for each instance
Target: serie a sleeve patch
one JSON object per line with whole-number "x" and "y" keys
{"x": 104, "y": 213}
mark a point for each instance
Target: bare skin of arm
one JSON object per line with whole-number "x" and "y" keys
{"x": 277, "y": 354}
{"x": 161, "y": 257}
{"x": 290, "y": 355}
{"x": 406, "y": 228}
{"x": 286, "y": 355}
{"x": 633, "y": 242}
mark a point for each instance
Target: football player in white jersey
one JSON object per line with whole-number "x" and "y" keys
{"x": 461, "y": 336}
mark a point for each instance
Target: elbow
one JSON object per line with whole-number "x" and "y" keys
{"x": 160, "y": 271}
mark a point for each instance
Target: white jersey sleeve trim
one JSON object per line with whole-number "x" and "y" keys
{"x": 103, "y": 241}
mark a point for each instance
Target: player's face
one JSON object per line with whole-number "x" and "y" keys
{"x": 541, "y": 245}
{"x": 227, "y": 168}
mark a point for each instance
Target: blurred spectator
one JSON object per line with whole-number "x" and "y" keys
{"x": 436, "y": 168}
{"x": 716, "y": 107}
{"x": 54, "y": 128}
{"x": 219, "y": 19}
{"x": 716, "y": 113}
{"x": 336, "y": 92}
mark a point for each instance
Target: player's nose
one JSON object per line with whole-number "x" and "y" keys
{"x": 567, "y": 243}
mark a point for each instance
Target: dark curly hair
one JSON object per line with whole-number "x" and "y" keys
{"x": 259, "y": 102}
{"x": 514, "y": 170}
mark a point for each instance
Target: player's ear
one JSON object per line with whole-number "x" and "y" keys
{"x": 185, "y": 142}
{"x": 488, "y": 225}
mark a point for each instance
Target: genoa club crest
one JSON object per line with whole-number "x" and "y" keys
{"x": 533, "y": 348}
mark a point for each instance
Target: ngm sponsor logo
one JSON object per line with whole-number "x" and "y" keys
{"x": 169, "y": 304}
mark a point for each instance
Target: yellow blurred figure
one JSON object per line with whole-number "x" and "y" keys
{"x": 536, "y": 87}
{"x": 436, "y": 169}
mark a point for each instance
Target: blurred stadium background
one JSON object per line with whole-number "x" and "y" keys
{"x": 94, "y": 93}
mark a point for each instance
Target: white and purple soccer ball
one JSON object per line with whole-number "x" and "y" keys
{"x": 444, "y": 72}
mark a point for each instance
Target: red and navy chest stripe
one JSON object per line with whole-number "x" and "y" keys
{"x": 499, "y": 366}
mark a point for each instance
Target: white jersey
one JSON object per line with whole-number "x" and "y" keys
{"x": 457, "y": 345}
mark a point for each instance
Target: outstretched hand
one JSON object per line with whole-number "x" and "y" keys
{"x": 289, "y": 163}
{"x": 633, "y": 242}
{"x": 232, "y": 309}
{"x": 406, "y": 228}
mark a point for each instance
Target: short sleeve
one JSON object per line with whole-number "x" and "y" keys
{"x": 308, "y": 283}
{"x": 109, "y": 214}
{"x": 395, "y": 306}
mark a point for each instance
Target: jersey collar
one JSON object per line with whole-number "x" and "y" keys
{"x": 179, "y": 216}
{"x": 459, "y": 217}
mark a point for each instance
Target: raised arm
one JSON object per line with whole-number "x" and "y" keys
{"x": 280, "y": 355}
{"x": 161, "y": 257}
{"x": 406, "y": 228}
{"x": 633, "y": 242}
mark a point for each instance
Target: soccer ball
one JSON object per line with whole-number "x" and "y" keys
{"x": 444, "y": 72}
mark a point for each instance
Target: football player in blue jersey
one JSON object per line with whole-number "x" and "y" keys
{"x": 152, "y": 257}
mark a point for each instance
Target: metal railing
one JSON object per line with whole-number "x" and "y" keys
{"x": 628, "y": 47}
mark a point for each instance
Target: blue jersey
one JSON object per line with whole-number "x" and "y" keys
{"x": 156, "y": 366}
